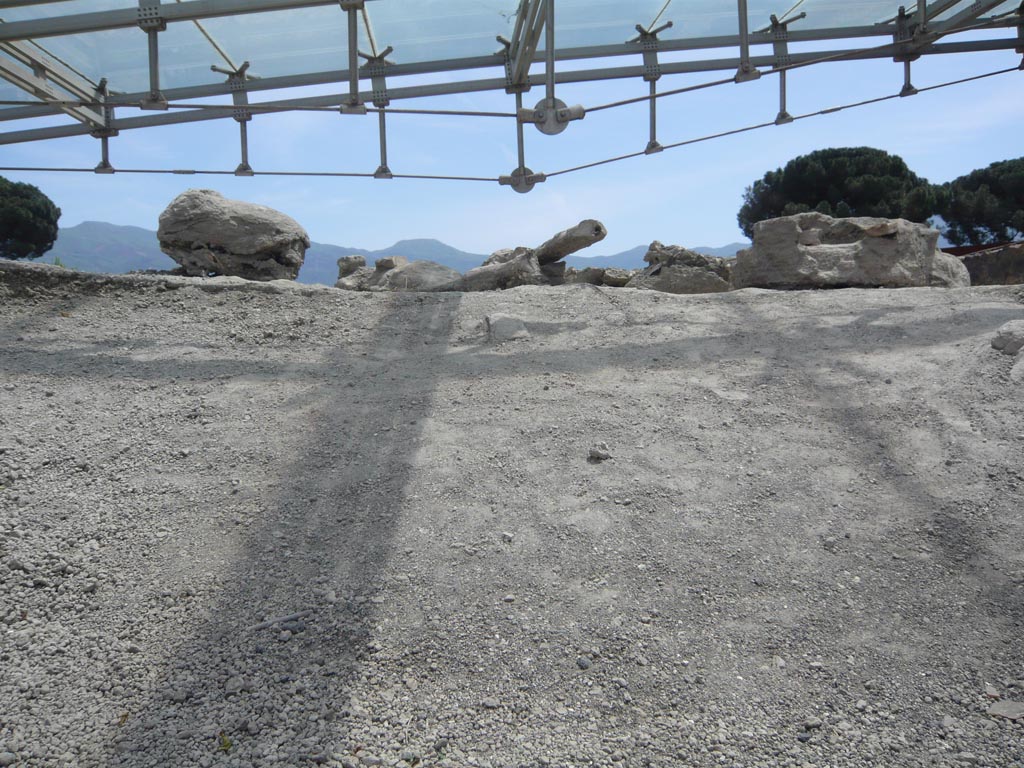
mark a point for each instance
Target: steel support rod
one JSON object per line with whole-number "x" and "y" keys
{"x": 244, "y": 169}
{"x": 783, "y": 117}
{"x": 520, "y": 138}
{"x": 745, "y": 71}
{"x": 156, "y": 99}
{"x": 653, "y": 145}
{"x": 353, "y": 56}
{"x": 383, "y": 172}
{"x": 549, "y": 42}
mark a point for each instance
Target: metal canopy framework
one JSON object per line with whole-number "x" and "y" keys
{"x": 99, "y": 67}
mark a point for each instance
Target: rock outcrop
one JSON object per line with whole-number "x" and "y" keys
{"x": 812, "y": 250}
{"x": 676, "y": 255}
{"x": 583, "y": 235}
{"x": 394, "y": 273}
{"x": 521, "y": 269}
{"x": 674, "y": 269}
{"x": 347, "y": 265}
{"x": 414, "y": 276}
{"x": 676, "y": 278}
{"x": 208, "y": 234}
{"x": 1002, "y": 265}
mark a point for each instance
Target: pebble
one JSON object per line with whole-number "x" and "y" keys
{"x": 583, "y": 662}
{"x": 490, "y": 703}
{"x": 599, "y": 452}
{"x": 7, "y": 758}
{"x": 1011, "y": 710}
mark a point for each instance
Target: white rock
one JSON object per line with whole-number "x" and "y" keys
{"x": 506, "y": 328}
{"x": 811, "y": 250}
{"x": 207, "y": 233}
{"x": 1009, "y": 339}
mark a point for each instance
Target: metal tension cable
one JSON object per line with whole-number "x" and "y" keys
{"x": 237, "y": 79}
{"x": 104, "y": 133}
{"x": 648, "y": 40}
{"x": 152, "y": 22}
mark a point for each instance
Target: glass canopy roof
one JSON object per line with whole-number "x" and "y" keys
{"x": 101, "y": 66}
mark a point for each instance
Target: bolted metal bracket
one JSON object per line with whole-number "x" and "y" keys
{"x": 522, "y": 180}
{"x": 510, "y": 84}
{"x": 150, "y": 16}
{"x": 648, "y": 39}
{"x": 376, "y": 69}
{"x": 237, "y": 85}
{"x": 551, "y": 116}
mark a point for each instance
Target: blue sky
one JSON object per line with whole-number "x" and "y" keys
{"x": 687, "y": 196}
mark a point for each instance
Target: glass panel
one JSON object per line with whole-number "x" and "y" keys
{"x": 285, "y": 42}
{"x": 8, "y": 91}
{"x": 122, "y": 56}
{"x": 433, "y": 30}
{"x": 49, "y": 10}
{"x": 823, "y": 14}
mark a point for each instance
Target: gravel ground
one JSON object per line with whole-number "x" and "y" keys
{"x": 256, "y": 525}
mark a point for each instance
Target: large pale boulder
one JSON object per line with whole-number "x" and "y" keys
{"x": 206, "y": 233}
{"x": 812, "y": 250}
{"x": 1009, "y": 339}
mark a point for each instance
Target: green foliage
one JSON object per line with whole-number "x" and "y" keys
{"x": 842, "y": 182}
{"x": 28, "y": 221}
{"x": 986, "y": 206}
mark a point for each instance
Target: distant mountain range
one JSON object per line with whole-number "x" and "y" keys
{"x": 96, "y": 246}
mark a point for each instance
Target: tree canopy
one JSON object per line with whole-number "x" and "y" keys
{"x": 985, "y": 206}
{"x": 28, "y": 221}
{"x": 841, "y": 182}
